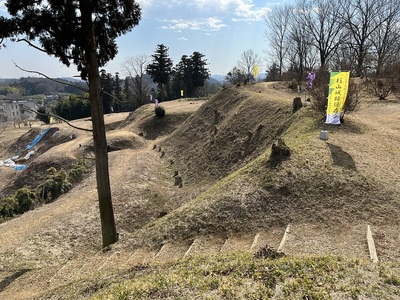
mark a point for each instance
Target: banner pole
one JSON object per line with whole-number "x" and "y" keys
{"x": 323, "y": 135}
{"x": 326, "y": 101}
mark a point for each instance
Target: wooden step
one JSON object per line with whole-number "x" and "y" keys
{"x": 387, "y": 241}
{"x": 272, "y": 238}
{"x": 91, "y": 265}
{"x": 204, "y": 245}
{"x": 139, "y": 257}
{"x": 239, "y": 242}
{"x": 114, "y": 261}
{"x": 311, "y": 239}
{"x": 172, "y": 251}
{"x": 371, "y": 245}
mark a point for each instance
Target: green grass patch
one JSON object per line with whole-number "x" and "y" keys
{"x": 242, "y": 276}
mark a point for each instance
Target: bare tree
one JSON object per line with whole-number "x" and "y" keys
{"x": 300, "y": 51}
{"x": 362, "y": 18}
{"x": 248, "y": 60}
{"x": 235, "y": 76}
{"x": 135, "y": 68}
{"x": 357, "y": 35}
{"x": 385, "y": 39}
{"x": 321, "y": 21}
{"x": 343, "y": 58}
{"x": 277, "y": 33}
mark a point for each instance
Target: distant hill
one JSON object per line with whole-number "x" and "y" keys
{"x": 38, "y": 85}
{"x": 221, "y": 78}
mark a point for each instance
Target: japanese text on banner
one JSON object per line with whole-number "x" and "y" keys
{"x": 338, "y": 88}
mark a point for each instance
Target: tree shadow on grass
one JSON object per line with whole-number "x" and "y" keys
{"x": 9, "y": 279}
{"x": 341, "y": 158}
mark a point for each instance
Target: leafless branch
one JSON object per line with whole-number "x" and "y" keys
{"x": 32, "y": 45}
{"x": 38, "y": 48}
{"x": 57, "y": 117}
{"x": 112, "y": 96}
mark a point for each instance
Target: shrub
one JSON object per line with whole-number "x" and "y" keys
{"x": 42, "y": 115}
{"x": 159, "y": 111}
{"x": 382, "y": 87}
{"x": 353, "y": 98}
{"x": 55, "y": 185}
{"x": 320, "y": 91}
{"x": 7, "y": 209}
{"x": 293, "y": 84}
{"x": 77, "y": 172}
{"x": 25, "y": 199}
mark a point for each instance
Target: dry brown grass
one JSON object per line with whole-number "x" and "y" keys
{"x": 220, "y": 147}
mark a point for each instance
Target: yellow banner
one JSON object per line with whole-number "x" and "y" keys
{"x": 255, "y": 72}
{"x": 338, "y": 88}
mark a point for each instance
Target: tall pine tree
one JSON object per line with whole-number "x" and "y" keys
{"x": 117, "y": 93}
{"x": 107, "y": 89}
{"x": 160, "y": 69}
{"x": 200, "y": 72}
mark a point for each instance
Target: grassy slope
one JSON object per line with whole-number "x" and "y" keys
{"x": 222, "y": 152}
{"x": 241, "y": 276}
{"x": 318, "y": 184}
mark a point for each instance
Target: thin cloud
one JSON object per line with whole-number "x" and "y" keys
{"x": 183, "y": 38}
{"x": 219, "y": 5}
{"x": 244, "y": 10}
{"x": 210, "y": 24}
{"x": 237, "y": 10}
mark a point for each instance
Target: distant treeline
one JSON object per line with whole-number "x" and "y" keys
{"x": 28, "y": 86}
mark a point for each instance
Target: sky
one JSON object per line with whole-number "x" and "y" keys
{"x": 220, "y": 29}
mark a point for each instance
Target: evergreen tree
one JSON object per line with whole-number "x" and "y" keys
{"x": 160, "y": 69}
{"x": 200, "y": 73}
{"x": 117, "y": 93}
{"x": 72, "y": 108}
{"x": 107, "y": 88}
{"x": 42, "y": 115}
{"x": 273, "y": 73}
{"x": 82, "y": 33}
{"x": 190, "y": 74}
{"x": 236, "y": 76}
{"x": 127, "y": 96}
{"x": 183, "y": 77}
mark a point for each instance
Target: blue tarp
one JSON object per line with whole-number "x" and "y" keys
{"x": 19, "y": 167}
{"x": 38, "y": 138}
{"x": 10, "y": 162}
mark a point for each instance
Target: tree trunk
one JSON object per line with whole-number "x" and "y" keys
{"x": 108, "y": 228}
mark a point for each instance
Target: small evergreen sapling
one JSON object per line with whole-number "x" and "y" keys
{"x": 159, "y": 111}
